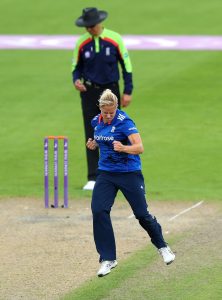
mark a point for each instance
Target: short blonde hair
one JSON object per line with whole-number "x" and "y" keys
{"x": 108, "y": 99}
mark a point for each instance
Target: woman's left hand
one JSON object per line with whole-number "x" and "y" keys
{"x": 135, "y": 146}
{"x": 118, "y": 146}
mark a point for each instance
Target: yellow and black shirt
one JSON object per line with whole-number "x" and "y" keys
{"x": 96, "y": 59}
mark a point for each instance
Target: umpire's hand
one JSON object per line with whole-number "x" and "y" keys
{"x": 79, "y": 85}
{"x": 126, "y": 99}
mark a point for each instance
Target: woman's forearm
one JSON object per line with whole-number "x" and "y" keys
{"x": 136, "y": 148}
{"x": 133, "y": 149}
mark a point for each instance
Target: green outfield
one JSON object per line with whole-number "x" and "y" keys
{"x": 139, "y": 17}
{"x": 176, "y": 105}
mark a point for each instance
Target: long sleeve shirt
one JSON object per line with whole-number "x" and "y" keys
{"x": 96, "y": 59}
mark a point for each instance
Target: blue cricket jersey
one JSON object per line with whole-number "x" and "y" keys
{"x": 118, "y": 130}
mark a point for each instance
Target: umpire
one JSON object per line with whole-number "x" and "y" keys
{"x": 94, "y": 69}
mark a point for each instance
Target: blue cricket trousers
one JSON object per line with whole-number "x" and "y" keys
{"x": 131, "y": 184}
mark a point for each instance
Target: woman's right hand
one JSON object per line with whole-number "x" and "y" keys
{"x": 91, "y": 144}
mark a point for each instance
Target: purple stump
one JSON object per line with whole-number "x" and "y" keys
{"x": 65, "y": 172}
{"x": 56, "y": 196}
{"x": 46, "y": 172}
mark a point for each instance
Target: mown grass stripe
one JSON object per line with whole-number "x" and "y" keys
{"x": 97, "y": 288}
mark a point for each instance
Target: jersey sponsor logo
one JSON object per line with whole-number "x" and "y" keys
{"x": 113, "y": 129}
{"x": 132, "y": 128}
{"x": 87, "y": 54}
{"x": 121, "y": 117}
{"x": 104, "y": 138}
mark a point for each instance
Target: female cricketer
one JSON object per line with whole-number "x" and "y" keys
{"x": 119, "y": 168}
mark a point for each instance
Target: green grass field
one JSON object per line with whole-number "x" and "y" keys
{"x": 176, "y": 105}
{"x": 141, "y": 17}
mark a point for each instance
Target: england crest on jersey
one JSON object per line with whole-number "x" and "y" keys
{"x": 107, "y": 51}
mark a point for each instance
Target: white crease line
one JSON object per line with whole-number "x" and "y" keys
{"x": 181, "y": 213}
{"x": 186, "y": 210}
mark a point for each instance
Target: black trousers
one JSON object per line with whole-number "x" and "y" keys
{"x": 90, "y": 109}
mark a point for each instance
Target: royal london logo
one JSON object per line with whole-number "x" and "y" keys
{"x": 87, "y": 54}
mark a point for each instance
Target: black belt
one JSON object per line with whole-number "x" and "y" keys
{"x": 98, "y": 86}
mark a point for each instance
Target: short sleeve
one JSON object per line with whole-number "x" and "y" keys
{"x": 129, "y": 127}
{"x": 94, "y": 121}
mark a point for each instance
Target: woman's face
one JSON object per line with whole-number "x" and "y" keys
{"x": 108, "y": 112}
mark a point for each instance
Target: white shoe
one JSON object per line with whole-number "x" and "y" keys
{"x": 167, "y": 254}
{"x": 89, "y": 186}
{"x": 106, "y": 267}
